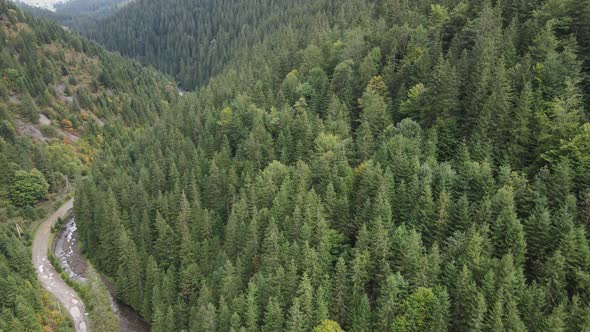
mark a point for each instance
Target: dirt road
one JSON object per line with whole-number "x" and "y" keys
{"x": 50, "y": 279}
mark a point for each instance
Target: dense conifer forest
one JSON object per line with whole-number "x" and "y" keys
{"x": 194, "y": 40}
{"x": 76, "y": 15}
{"x": 383, "y": 165}
{"x": 366, "y": 165}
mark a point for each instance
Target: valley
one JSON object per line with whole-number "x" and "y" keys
{"x": 353, "y": 165}
{"x": 45, "y": 4}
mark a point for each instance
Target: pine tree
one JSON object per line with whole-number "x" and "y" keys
{"x": 361, "y": 314}
{"x": 460, "y": 215}
{"x": 164, "y": 252}
{"x": 374, "y": 111}
{"x": 513, "y": 321}
{"x": 471, "y": 305}
{"x": 575, "y": 249}
{"x": 152, "y": 278}
{"x": 533, "y": 303}
{"x": 322, "y": 304}
{"x": 169, "y": 320}
{"x": 441, "y": 225}
{"x": 521, "y": 134}
{"x": 379, "y": 252}
{"x": 508, "y": 235}
{"x": 108, "y": 237}
{"x": 236, "y": 323}
{"x": 305, "y": 296}
{"x": 343, "y": 82}
{"x": 209, "y": 318}
{"x": 556, "y": 320}
{"x": 159, "y": 321}
{"x": 251, "y": 313}
{"x": 29, "y": 109}
{"x": 295, "y": 321}
{"x": 270, "y": 249}
{"x": 364, "y": 142}
{"x": 442, "y": 94}
{"x": 425, "y": 214}
{"x": 538, "y": 230}
{"x": 554, "y": 278}
{"x": 129, "y": 287}
{"x": 340, "y": 295}
{"x": 408, "y": 254}
{"x": 273, "y": 317}
{"x": 389, "y": 302}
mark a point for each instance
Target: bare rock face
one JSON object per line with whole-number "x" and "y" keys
{"x": 44, "y": 120}
{"x": 29, "y": 130}
{"x": 60, "y": 90}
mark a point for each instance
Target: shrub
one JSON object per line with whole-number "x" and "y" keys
{"x": 28, "y": 188}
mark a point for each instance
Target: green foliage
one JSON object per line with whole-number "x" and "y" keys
{"x": 328, "y": 326}
{"x": 39, "y": 63}
{"x": 95, "y": 296}
{"x": 28, "y": 187}
{"x": 29, "y": 109}
{"x": 37, "y": 60}
{"x": 23, "y": 307}
{"x": 388, "y": 165}
{"x": 98, "y": 302}
{"x": 216, "y": 36}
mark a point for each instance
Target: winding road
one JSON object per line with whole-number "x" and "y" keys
{"x": 50, "y": 279}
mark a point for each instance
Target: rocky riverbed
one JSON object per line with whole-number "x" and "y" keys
{"x": 74, "y": 264}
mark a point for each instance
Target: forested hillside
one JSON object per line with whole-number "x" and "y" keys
{"x": 391, "y": 166}
{"x": 194, "y": 40}
{"x": 89, "y": 7}
{"x": 57, "y": 91}
{"x": 76, "y": 14}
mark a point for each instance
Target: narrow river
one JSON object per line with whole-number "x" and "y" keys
{"x": 74, "y": 264}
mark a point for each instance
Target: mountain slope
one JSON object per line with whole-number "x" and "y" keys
{"x": 60, "y": 96}
{"x": 89, "y": 8}
{"x": 58, "y": 89}
{"x": 393, "y": 166}
{"x": 193, "y": 40}
{"x": 75, "y": 14}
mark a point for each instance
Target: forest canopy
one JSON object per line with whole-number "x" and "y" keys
{"x": 385, "y": 165}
